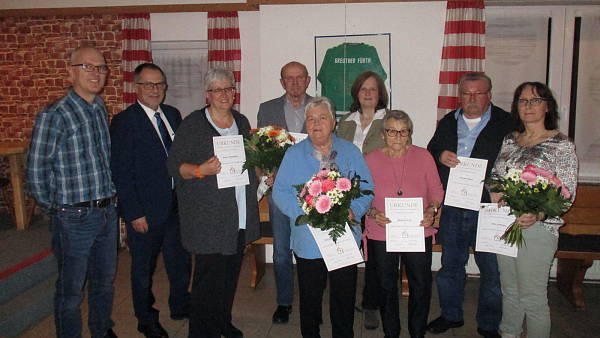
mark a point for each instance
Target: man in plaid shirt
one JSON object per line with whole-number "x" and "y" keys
{"x": 68, "y": 170}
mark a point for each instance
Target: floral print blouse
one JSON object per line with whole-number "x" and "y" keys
{"x": 556, "y": 153}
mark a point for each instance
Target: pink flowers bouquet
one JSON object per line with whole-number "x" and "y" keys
{"x": 325, "y": 200}
{"x": 529, "y": 190}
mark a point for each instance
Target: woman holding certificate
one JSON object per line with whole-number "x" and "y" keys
{"x": 216, "y": 221}
{"x": 362, "y": 126}
{"x": 402, "y": 170}
{"x": 321, "y": 151}
{"x": 536, "y": 141}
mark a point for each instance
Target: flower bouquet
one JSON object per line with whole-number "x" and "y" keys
{"x": 266, "y": 147}
{"x": 325, "y": 200}
{"x": 529, "y": 190}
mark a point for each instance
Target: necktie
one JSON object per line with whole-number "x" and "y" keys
{"x": 164, "y": 133}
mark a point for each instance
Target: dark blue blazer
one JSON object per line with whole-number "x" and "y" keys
{"x": 139, "y": 165}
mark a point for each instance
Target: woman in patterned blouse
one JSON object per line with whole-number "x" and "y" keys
{"x": 537, "y": 141}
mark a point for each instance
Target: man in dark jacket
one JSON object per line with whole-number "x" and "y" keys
{"x": 141, "y": 138}
{"x": 475, "y": 130}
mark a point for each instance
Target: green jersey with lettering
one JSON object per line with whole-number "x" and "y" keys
{"x": 341, "y": 65}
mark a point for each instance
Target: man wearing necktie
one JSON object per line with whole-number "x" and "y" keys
{"x": 141, "y": 136}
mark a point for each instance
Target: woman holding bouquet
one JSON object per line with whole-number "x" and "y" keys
{"x": 216, "y": 224}
{"x": 537, "y": 141}
{"x": 402, "y": 170}
{"x": 321, "y": 150}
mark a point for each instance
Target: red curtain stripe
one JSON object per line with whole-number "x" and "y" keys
{"x": 136, "y": 50}
{"x": 224, "y": 48}
{"x": 463, "y": 50}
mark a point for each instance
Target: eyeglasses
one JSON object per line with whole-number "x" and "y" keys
{"x": 476, "y": 94}
{"x": 536, "y": 101}
{"x": 219, "y": 91}
{"x": 102, "y": 69}
{"x": 152, "y": 85}
{"x": 393, "y": 132}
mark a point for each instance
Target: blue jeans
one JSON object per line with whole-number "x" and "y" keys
{"x": 84, "y": 241}
{"x": 282, "y": 254}
{"x": 458, "y": 230}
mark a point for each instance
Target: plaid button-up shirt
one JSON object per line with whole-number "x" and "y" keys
{"x": 69, "y": 157}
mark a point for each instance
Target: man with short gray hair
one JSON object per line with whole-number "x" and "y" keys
{"x": 474, "y": 130}
{"x": 286, "y": 111}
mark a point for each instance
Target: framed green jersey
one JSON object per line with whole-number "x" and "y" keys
{"x": 340, "y": 59}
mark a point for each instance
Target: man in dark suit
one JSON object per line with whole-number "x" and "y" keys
{"x": 141, "y": 136}
{"x": 286, "y": 111}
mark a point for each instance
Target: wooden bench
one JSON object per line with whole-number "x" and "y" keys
{"x": 256, "y": 250}
{"x": 579, "y": 245}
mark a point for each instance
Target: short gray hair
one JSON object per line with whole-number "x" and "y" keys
{"x": 398, "y": 115}
{"x": 320, "y": 101}
{"x": 471, "y": 76}
{"x": 217, "y": 74}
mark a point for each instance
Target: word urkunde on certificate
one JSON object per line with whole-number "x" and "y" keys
{"x": 404, "y": 233}
{"x": 491, "y": 225}
{"x": 337, "y": 254}
{"x": 231, "y": 153}
{"x": 465, "y": 183}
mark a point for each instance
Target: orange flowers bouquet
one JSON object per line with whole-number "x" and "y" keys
{"x": 266, "y": 147}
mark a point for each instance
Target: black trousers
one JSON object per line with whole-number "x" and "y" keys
{"x": 418, "y": 270}
{"x": 213, "y": 289}
{"x": 144, "y": 249}
{"x": 312, "y": 279}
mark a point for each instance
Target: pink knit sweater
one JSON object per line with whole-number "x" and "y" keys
{"x": 420, "y": 179}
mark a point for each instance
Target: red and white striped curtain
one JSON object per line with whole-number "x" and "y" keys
{"x": 463, "y": 51}
{"x": 224, "y": 50}
{"x": 136, "y": 50}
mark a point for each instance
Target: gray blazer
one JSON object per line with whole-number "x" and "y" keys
{"x": 271, "y": 113}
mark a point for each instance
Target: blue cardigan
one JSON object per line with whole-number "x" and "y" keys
{"x": 297, "y": 167}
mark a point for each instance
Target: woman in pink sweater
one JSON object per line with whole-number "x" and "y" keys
{"x": 402, "y": 170}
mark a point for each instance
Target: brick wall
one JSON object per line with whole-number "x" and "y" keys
{"x": 34, "y": 54}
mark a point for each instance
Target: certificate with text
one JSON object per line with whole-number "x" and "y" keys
{"x": 465, "y": 183}
{"x": 231, "y": 153}
{"x": 404, "y": 233}
{"x": 338, "y": 254}
{"x": 491, "y": 225}
{"x": 298, "y": 136}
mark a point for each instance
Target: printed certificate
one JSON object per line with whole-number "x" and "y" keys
{"x": 298, "y": 136}
{"x": 338, "y": 254}
{"x": 231, "y": 153}
{"x": 493, "y": 221}
{"x": 404, "y": 233}
{"x": 465, "y": 183}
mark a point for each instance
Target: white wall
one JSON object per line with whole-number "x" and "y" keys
{"x": 287, "y": 33}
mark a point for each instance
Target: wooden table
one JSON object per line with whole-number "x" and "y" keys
{"x": 15, "y": 151}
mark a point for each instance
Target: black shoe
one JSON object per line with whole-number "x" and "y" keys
{"x": 180, "y": 316}
{"x": 234, "y": 332}
{"x": 153, "y": 330}
{"x": 110, "y": 334}
{"x": 440, "y": 325}
{"x": 488, "y": 333}
{"x": 282, "y": 314}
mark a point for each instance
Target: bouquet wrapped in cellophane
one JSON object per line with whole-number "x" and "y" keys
{"x": 529, "y": 190}
{"x": 266, "y": 147}
{"x": 325, "y": 200}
